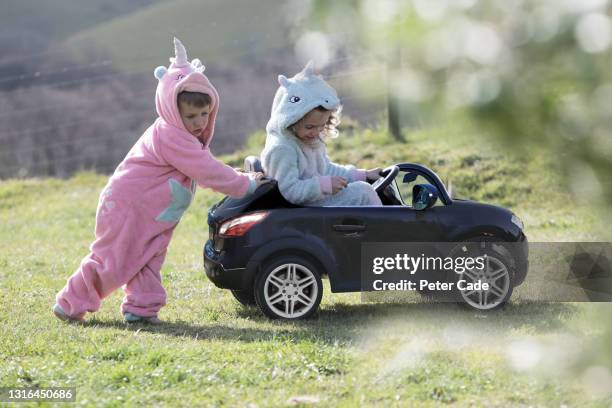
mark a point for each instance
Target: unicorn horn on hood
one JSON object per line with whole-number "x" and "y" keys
{"x": 309, "y": 69}
{"x": 180, "y": 54}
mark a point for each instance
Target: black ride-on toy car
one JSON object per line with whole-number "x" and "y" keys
{"x": 272, "y": 253}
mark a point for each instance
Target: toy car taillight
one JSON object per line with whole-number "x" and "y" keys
{"x": 237, "y": 227}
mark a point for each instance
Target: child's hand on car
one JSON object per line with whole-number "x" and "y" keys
{"x": 338, "y": 183}
{"x": 260, "y": 179}
{"x": 373, "y": 174}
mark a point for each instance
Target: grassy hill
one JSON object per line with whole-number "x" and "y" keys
{"x": 213, "y": 352}
{"x": 212, "y": 29}
{"x": 62, "y": 18}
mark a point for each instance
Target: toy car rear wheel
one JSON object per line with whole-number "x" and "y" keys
{"x": 288, "y": 288}
{"x": 245, "y": 297}
{"x": 497, "y": 272}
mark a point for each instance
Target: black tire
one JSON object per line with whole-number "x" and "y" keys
{"x": 295, "y": 302}
{"x": 245, "y": 297}
{"x": 498, "y": 272}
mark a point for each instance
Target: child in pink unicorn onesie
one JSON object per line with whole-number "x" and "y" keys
{"x": 145, "y": 198}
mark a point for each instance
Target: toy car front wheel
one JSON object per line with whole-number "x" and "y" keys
{"x": 288, "y": 288}
{"x": 497, "y": 272}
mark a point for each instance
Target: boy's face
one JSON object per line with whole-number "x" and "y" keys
{"x": 194, "y": 119}
{"x": 311, "y": 125}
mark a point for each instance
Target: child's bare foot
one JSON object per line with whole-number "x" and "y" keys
{"x": 132, "y": 318}
{"x": 60, "y": 314}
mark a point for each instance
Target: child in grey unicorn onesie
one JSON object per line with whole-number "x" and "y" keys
{"x": 304, "y": 110}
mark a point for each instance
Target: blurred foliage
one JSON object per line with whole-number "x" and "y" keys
{"x": 531, "y": 72}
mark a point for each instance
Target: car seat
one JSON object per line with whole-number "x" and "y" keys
{"x": 271, "y": 198}
{"x": 252, "y": 163}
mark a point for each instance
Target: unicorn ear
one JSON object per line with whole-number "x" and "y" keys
{"x": 159, "y": 72}
{"x": 283, "y": 81}
{"x": 180, "y": 54}
{"x": 197, "y": 65}
{"x": 309, "y": 69}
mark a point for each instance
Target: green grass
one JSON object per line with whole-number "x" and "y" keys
{"x": 213, "y": 352}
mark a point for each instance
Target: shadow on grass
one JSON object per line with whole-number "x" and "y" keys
{"x": 344, "y": 322}
{"x": 537, "y": 316}
{"x": 199, "y": 332}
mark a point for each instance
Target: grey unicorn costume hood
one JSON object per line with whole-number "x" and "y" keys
{"x": 303, "y": 171}
{"x": 296, "y": 97}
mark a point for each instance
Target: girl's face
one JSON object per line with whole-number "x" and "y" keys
{"x": 311, "y": 125}
{"x": 194, "y": 119}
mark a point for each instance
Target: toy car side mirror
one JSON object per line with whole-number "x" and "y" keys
{"x": 424, "y": 196}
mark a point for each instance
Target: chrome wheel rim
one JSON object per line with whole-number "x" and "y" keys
{"x": 496, "y": 274}
{"x": 291, "y": 290}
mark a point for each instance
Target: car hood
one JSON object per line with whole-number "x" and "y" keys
{"x": 468, "y": 214}
{"x": 476, "y": 204}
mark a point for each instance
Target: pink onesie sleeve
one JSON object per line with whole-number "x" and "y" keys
{"x": 188, "y": 156}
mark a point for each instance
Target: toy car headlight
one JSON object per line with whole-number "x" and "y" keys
{"x": 517, "y": 221}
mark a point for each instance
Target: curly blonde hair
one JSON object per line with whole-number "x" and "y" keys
{"x": 331, "y": 127}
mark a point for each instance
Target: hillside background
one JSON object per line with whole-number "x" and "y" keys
{"x": 76, "y": 82}
{"x": 77, "y": 90}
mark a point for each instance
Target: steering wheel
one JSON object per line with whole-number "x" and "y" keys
{"x": 388, "y": 175}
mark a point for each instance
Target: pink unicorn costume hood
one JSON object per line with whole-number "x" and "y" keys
{"x": 167, "y": 151}
{"x": 180, "y": 76}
